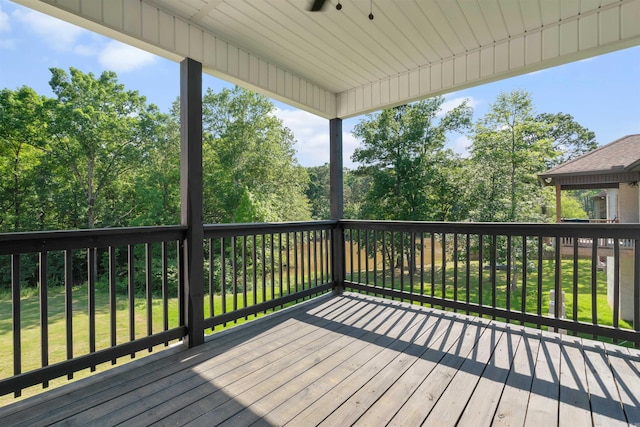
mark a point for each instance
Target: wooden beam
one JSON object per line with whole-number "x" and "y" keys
{"x": 191, "y": 198}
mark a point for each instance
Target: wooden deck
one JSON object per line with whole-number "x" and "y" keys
{"x": 360, "y": 360}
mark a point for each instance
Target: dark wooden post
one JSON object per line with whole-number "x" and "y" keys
{"x": 337, "y": 203}
{"x": 191, "y": 198}
{"x": 558, "y": 203}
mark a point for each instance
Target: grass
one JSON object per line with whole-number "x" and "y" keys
{"x": 30, "y": 317}
{"x": 584, "y": 297}
{"x": 31, "y": 330}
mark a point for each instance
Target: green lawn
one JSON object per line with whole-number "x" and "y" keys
{"x": 57, "y": 346}
{"x": 584, "y": 301}
{"x": 30, "y": 322}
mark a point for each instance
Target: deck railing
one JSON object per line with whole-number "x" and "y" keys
{"x": 506, "y": 271}
{"x": 77, "y": 299}
{"x": 253, "y": 268}
{"x": 87, "y": 297}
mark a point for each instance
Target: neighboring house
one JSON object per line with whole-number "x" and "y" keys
{"x": 614, "y": 168}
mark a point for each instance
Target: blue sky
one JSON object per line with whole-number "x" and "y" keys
{"x": 602, "y": 93}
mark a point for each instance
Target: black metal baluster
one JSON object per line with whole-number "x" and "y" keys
{"x": 273, "y": 267}
{"x": 91, "y": 299}
{"x": 254, "y": 259}
{"x": 263, "y": 259}
{"x": 234, "y": 274}
{"x": 212, "y": 279}
{"x": 467, "y": 250}
{"x": 443, "y": 246}
{"x": 244, "y": 273}
{"x": 401, "y": 256}
{"x": 113, "y": 307}
{"x": 131, "y": 288}
{"x": 523, "y": 302}
{"x": 433, "y": 267}
{"x": 480, "y": 269}
{"x": 44, "y": 311}
{"x": 295, "y": 262}
{"x": 223, "y": 277}
{"x": 165, "y": 289}
{"x": 149, "y": 289}
{"x": 574, "y": 315}
{"x": 288, "y": 263}
{"x": 594, "y": 283}
{"x": 508, "y": 278}
{"x": 17, "y": 318}
{"x": 455, "y": 268}
{"x": 539, "y": 300}
{"x": 421, "y": 266}
{"x": 492, "y": 275}
{"x": 616, "y": 285}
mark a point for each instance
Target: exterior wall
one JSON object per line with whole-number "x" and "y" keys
{"x": 628, "y": 203}
{"x": 626, "y": 286}
{"x": 612, "y": 203}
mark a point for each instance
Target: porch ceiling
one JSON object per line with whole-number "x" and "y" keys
{"x": 341, "y": 64}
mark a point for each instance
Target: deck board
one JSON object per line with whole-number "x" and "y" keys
{"x": 358, "y": 360}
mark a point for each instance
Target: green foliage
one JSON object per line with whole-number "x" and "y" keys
{"x": 355, "y": 188}
{"x": 511, "y": 145}
{"x": 21, "y": 165}
{"x": 403, "y": 152}
{"x": 249, "y": 165}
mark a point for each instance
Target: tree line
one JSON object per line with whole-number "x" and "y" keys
{"x": 407, "y": 172}
{"x": 99, "y": 155}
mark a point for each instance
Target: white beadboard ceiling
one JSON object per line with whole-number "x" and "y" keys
{"x": 340, "y": 63}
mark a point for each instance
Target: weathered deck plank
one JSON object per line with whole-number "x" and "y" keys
{"x": 512, "y": 408}
{"x": 574, "y": 391}
{"x": 484, "y": 400}
{"x": 358, "y": 360}
{"x": 542, "y": 409}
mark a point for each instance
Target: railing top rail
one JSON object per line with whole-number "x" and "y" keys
{"x": 621, "y": 231}
{"x": 223, "y": 230}
{"x": 26, "y": 242}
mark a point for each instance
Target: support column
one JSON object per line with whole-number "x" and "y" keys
{"x": 191, "y": 198}
{"x": 337, "y": 202}
{"x": 558, "y": 204}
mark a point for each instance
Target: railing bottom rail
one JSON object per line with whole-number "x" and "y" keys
{"x": 501, "y": 313}
{"x": 42, "y": 375}
{"x": 221, "y": 319}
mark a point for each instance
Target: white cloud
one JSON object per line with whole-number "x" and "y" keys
{"x": 312, "y": 134}
{"x": 85, "y": 49}
{"x": 460, "y": 144}
{"x": 120, "y": 57}
{"x": 5, "y": 25}
{"x": 451, "y": 103}
{"x": 7, "y": 44}
{"x": 59, "y": 35}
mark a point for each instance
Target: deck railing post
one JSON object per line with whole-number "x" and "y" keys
{"x": 337, "y": 203}
{"x": 191, "y": 198}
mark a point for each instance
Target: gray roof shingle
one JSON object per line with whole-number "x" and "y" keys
{"x": 621, "y": 155}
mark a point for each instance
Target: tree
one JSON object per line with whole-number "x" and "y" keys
{"x": 21, "y": 126}
{"x": 96, "y": 136}
{"x": 318, "y": 191}
{"x": 403, "y": 152}
{"x": 511, "y": 145}
{"x": 157, "y": 186}
{"x": 249, "y": 165}
{"x": 569, "y": 138}
{"x": 509, "y": 148}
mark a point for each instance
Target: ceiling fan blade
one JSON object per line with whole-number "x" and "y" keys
{"x": 317, "y": 5}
